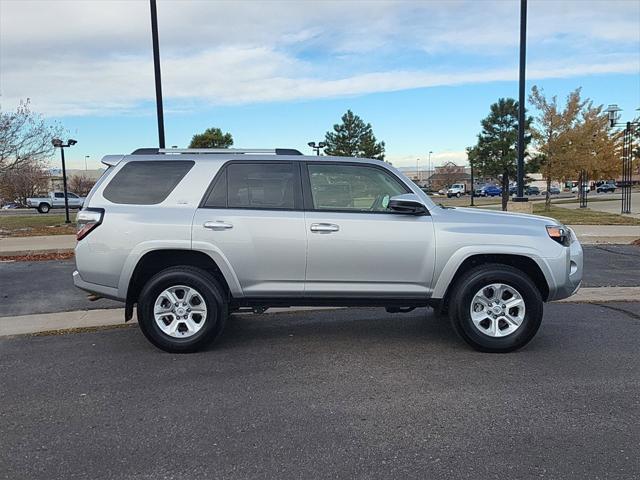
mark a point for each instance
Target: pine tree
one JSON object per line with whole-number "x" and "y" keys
{"x": 211, "y": 138}
{"x": 495, "y": 153}
{"x": 353, "y": 138}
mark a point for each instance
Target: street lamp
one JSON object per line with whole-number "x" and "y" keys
{"x": 57, "y": 143}
{"x": 613, "y": 114}
{"x": 317, "y": 147}
{"x": 85, "y": 162}
{"x": 429, "y": 170}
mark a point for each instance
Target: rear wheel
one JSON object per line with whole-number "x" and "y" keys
{"x": 182, "y": 309}
{"x": 495, "y": 308}
{"x": 43, "y": 208}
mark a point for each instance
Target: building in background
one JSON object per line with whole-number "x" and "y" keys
{"x": 55, "y": 176}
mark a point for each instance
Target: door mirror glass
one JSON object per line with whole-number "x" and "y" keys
{"x": 408, "y": 203}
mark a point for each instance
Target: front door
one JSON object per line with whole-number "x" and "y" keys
{"x": 252, "y": 224}
{"x": 356, "y": 246}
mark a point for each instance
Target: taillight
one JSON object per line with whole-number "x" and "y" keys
{"x": 87, "y": 220}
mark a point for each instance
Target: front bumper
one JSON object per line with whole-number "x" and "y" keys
{"x": 568, "y": 272}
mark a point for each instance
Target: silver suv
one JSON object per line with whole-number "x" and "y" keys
{"x": 188, "y": 236}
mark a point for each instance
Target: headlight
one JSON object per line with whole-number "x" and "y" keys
{"x": 560, "y": 234}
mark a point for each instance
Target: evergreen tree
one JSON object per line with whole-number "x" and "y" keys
{"x": 495, "y": 153}
{"x": 353, "y": 138}
{"x": 211, "y": 138}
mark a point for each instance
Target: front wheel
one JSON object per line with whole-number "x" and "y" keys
{"x": 43, "y": 208}
{"x": 458, "y": 194}
{"x": 495, "y": 308}
{"x": 182, "y": 309}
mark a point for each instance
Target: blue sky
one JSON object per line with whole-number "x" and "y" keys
{"x": 282, "y": 73}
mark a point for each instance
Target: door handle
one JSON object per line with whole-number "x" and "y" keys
{"x": 217, "y": 225}
{"x": 324, "y": 227}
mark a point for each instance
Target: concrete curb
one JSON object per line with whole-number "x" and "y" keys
{"x": 604, "y": 294}
{"x": 92, "y": 319}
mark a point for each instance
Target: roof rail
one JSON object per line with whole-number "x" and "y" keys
{"x": 224, "y": 151}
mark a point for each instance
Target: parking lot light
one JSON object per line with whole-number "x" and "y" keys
{"x": 57, "y": 143}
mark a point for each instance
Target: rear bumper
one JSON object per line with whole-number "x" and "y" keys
{"x": 101, "y": 290}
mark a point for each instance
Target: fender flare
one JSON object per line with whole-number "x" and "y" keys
{"x": 452, "y": 266}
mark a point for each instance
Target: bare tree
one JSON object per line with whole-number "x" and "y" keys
{"x": 25, "y": 137}
{"x": 28, "y": 179}
{"x": 81, "y": 184}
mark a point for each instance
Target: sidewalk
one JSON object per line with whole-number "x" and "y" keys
{"x": 14, "y": 246}
{"x": 587, "y": 234}
{"x": 593, "y": 234}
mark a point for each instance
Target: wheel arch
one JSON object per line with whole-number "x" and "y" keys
{"x": 523, "y": 262}
{"x": 155, "y": 261}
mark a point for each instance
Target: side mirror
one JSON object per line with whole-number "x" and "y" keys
{"x": 409, "y": 203}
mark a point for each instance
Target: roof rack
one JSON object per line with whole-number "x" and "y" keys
{"x": 223, "y": 151}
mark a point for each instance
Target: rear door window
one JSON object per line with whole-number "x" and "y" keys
{"x": 264, "y": 185}
{"x": 146, "y": 183}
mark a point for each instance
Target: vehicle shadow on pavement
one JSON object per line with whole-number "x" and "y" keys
{"x": 361, "y": 325}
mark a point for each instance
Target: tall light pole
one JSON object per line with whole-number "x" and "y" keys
{"x": 156, "y": 68}
{"x": 429, "y": 169}
{"x": 85, "y": 162}
{"x": 317, "y": 147}
{"x": 521, "y": 102}
{"x": 57, "y": 143}
{"x": 417, "y": 171}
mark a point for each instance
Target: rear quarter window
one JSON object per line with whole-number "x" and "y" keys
{"x": 146, "y": 183}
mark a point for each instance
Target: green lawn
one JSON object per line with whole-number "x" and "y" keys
{"x": 583, "y": 216}
{"x": 31, "y": 225}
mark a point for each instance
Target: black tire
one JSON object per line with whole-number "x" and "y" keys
{"x": 44, "y": 208}
{"x": 470, "y": 283}
{"x": 214, "y": 297}
{"x": 458, "y": 195}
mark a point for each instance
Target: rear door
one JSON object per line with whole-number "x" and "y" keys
{"x": 251, "y": 219}
{"x": 356, "y": 246}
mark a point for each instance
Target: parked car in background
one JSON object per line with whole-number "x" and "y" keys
{"x": 585, "y": 187}
{"x": 456, "y": 190}
{"x": 490, "y": 191}
{"x": 554, "y": 191}
{"x": 531, "y": 190}
{"x": 206, "y": 234}
{"x": 11, "y": 206}
{"x": 606, "y": 188}
{"x": 55, "y": 200}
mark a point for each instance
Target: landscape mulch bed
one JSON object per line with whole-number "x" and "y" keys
{"x": 35, "y": 257}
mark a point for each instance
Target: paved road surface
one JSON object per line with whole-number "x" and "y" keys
{"x": 23, "y": 284}
{"x": 336, "y": 394}
{"x": 42, "y": 287}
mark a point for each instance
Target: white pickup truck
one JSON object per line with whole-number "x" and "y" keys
{"x": 55, "y": 200}
{"x": 456, "y": 190}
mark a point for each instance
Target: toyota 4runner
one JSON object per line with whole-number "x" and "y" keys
{"x": 188, "y": 236}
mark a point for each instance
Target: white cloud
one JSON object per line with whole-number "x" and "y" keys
{"x": 98, "y": 59}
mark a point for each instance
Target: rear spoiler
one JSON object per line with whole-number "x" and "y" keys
{"x": 112, "y": 160}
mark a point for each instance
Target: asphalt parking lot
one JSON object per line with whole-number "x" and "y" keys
{"x": 349, "y": 393}
{"x": 354, "y": 393}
